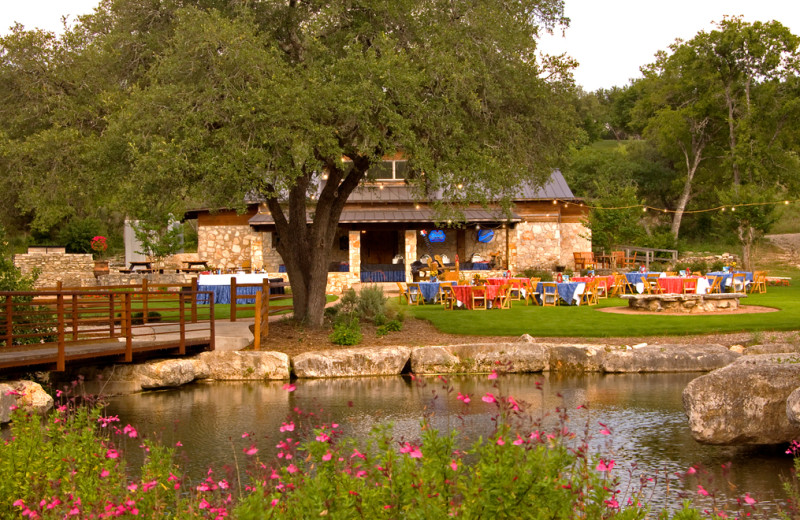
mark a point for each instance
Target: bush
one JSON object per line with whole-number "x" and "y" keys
{"x": 77, "y": 234}
{"x": 369, "y": 304}
{"x": 392, "y": 326}
{"x": 346, "y": 333}
{"x": 698, "y": 266}
{"x": 530, "y": 272}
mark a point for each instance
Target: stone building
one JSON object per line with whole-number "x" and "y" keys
{"x": 382, "y": 230}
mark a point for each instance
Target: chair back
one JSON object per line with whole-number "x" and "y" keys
{"x": 415, "y": 294}
{"x": 447, "y": 296}
{"x": 759, "y": 282}
{"x": 716, "y": 285}
{"x": 689, "y": 286}
{"x": 589, "y": 295}
{"x": 479, "y": 298}
{"x": 549, "y": 294}
{"x": 402, "y": 294}
{"x": 738, "y": 282}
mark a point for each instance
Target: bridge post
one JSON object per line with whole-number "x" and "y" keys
{"x": 61, "y": 359}
{"x": 193, "y": 291}
{"x": 257, "y": 325}
{"x": 234, "y": 294}
{"x": 145, "y": 311}
{"x": 182, "y": 321}
{"x": 9, "y": 321}
{"x": 126, "y": 320}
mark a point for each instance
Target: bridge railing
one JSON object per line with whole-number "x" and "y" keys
{"x": 70, "y": 319}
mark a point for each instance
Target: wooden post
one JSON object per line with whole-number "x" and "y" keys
{"x": 263, "y": 317}
{"x": 234, "y": 293}
{"x": 61, "y": 361}
{"x": 9, "y": 321}
{"x": 74, "y": 317}
{"x": 257, "y": 325}
{"x": 193, "y": 291}
{"x": 144, "y": 300}
{"x": 182, "y": 310}
{"x": 126, "y": 320}
{"x": 59, "y": 285}
{"x": 111, "y": 314}
{"x": 212, "y": 330}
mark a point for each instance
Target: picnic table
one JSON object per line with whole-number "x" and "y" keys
{"x": 194, "y": 266}
{"x": 569, "y": 292}
{"x": 463, "y": 294}
{"x": 138, "y": 267}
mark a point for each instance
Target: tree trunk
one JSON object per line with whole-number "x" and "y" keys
{"x": 693, "y": 158}
{"x": 732, "y": 135}
{"x": 747, "y": 237}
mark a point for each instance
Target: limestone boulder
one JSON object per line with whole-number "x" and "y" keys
{"x": 793, "y": 407}
{"x": 23, "y": 394}
{"x": 365, "y": 361}
{"x": 771, "y": 348}
{"x": 744, "y": 402}
{"x": 576, "y": 358}
{"x": 244, "y": 365}
{"x": 519, "y": 357}
{"x": 668, "y": 358}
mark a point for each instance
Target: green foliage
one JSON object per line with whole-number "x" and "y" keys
{"x": 77, "y": 234}
{"x": 369, "y": 304}
{"x": 346, "y": 332}
{"x": 613, "y": 227}
{"x": 11, "y": 278}
{"x": 390, "y": 326}
{"x": 543, "y": 275}
{"x": 158, "y": 240}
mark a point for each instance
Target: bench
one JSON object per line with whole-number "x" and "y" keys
{"x": 683, "y": 303}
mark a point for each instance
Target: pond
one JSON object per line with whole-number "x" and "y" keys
{"x": 650, "y": 434}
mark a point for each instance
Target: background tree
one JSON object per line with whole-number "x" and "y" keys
{"x": 294, "y": 102}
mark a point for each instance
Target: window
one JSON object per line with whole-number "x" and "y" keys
{"x": 390, "y": 170}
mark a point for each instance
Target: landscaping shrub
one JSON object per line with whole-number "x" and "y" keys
{"x": 698, "y": 266}
{"x": 346, "y": 333}
{"x": 530, "y": 272}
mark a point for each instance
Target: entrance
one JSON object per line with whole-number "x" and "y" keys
{"x": 378, "y": 247}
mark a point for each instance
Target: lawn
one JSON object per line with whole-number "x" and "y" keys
{"x": 586, "y": 321}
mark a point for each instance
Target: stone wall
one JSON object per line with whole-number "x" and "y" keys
{"x": 574, "y": 237}
{"x": 228, "y": 247}
{"x": 72, "y": 270}
{"x": 538, "y": 245}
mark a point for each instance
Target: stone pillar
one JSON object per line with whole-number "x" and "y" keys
{"x": 513, "y": 264}
{"x": 257, "y": 252}
{"x": 355, "y": 254}
{"x": 410, "y": 251}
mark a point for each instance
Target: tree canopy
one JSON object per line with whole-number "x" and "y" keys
{"x": 211, "y": 102}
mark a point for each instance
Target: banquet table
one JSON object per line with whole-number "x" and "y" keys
{"x": 220, "y": 286}
{"x": 637, "y": 279}
{"x": 728, "y": 276}
{"x": 602, "y": 281}
{"x": 515, "y": 282}
{"x": 569, "y": 292}
{"x": 430, "y": 290}
{"x": 674, "y": 284}
{"x": 463, "y": 294}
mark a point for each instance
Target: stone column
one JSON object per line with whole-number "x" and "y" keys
{"x": 355, "y": 254}
{"x": 257, "y": 252}
{"x": 410, "y": 251}
{"x": 513, "y": 265}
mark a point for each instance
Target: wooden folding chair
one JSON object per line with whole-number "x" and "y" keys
{"x": 759, "y": 282}
{"x": 621, "y": 285}
{"x": 530, "y": 291}
{"x": 689, "y": 286}
{"x": 738, "y": 283}
{"x": 602, "y": 289}
{"x": 504, "y": 296}
{"x": 549, "y": 294}
{"x": 403, "y": 293}
{"x": 415, "y": 294}
{"x": 716, "y": 285}
{"x": 651, "y": 284}
{"x": 589, "y": 296}
{"x": 479, "y": 298}
{"x": 448, "y": 296}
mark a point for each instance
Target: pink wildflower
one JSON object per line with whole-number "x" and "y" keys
{"x": 204, "y": 504}
{"x": 605, "y": 466}
{"x": 132, "y": 487}
{"x": 701, "y": 491}
{"x": 252, "y": 450}
{"x": 488, "y": 398}
{"x": 500, "y": 441}
{"x": 179, "y": 444}
{"x": 104, "y": 473}
{"x": 287, "y": 427}
{"x": 327, "y": 456}
{"x": 289, "y": 387}
{"x": 112, "y": 454}
{"x": 291, "y": 468}
{"x": 493, "y": 375}
{"x": 453, "y": 465}
{"x": 274, "y": 502}
{"x": 749, "y": 500}
{"x": 612, "y": 503}
{"x": 130, "y": 431}
{"x": 519, "y": 441}
{"x": 464, "y": 397}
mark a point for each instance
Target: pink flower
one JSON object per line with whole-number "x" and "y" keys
{"x": 493, "y": 375}
{"x": 104, "y": 473}
{"x": 130, "y": 430}
{"x": 132, "y": 487}
{"x": 519, "y": 442}
{"x": 488, "y": 398}
{"x": 287, "y": 427}
{"x": 605, "y": 466}
{"x": 500, "y": 441}
{"x": 749, "y": 500}
{"x": 291, "y": 468}
{"x": 204, "y": 504}
{"x": 323, "y": 437}
{"x": 691, "y": 470}
{"x": 453, "y": 465}
{"x": 612, "y": 503}
{"x": 19, "y": 503}
{"x": 289, "y": 387}
{"x": 701, "y": 491}
{"x": 274, "y": 502}
{"x": 328, "y": 456}
{"x": 464, "y": 397}
{"x": 179, "y": 444}
{"x": 245, "y": 435}
{"x": 604, "y": 430}
{"x": 112, "y": 454}
{"x": 358, "y": 454}
{"x": 252, "y": 450}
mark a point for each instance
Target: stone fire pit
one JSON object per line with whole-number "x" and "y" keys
{"x": 684, "y": 303}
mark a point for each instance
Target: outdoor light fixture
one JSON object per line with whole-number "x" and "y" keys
{"x": 460, "y": 186}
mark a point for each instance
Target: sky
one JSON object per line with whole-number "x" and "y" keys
{"x": 610, "y": 39}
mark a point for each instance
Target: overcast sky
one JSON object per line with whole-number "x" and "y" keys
{"x": 610, "y": 38}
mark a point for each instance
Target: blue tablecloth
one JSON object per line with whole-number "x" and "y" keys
{"x": 383, "y": 276}
{"x": 222, "y": 293}
{"x": 726, "y": 277}
{"x": 476, "y": 266}
{"x": 566, "y": 291}
{"x": 429, "y": 290}
{"x": 636, "y": 277}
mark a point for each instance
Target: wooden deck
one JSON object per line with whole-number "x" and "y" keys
{"x": 48, "y": 329}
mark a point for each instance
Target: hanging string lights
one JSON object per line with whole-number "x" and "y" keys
{"x": 645, "y": 208}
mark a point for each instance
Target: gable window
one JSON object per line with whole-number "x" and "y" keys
{"x": 389, "y": 170}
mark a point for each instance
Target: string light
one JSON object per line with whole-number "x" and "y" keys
{"x": 645, "y": 207}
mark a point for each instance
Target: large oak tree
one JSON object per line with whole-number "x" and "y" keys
{"x": 293, "y": 102}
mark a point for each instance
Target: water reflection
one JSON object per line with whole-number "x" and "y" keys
{"x": 644, "y": 413}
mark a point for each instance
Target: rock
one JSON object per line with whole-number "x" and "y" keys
{"x": 519, "y": 357}
{"x": 245, "y": 365}
{"x": 772, "y": 348}
{"x": 23, "y": 394}
{"x": 526, "y": 338}
{"x": 370, "y": 361}
{"x": 126, "y": 379}
{"x": 668, "y": 358}
{"x": 793, "y": 407}
{"x": 744, "y": 402}
{"x": 739, "y": 349}
{"x": 576, "y": 358}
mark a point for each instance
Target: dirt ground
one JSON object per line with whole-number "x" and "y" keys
{"x": 285, "y": 336}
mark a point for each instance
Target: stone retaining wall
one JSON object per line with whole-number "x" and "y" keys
{"x": 683, "y": 303}
{"x": 76, "y": 270}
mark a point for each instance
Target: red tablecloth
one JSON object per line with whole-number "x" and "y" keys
{"x": 515, "y": 282}
{"x": 602, "y": 281}
{"x": 674, "y": 284}
{"x": 464, "y": 293}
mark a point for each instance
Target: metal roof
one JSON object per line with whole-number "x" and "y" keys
{"x": 382, "y": 215}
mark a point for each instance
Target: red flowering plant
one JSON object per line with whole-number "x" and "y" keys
{"x": 99, "y": 246}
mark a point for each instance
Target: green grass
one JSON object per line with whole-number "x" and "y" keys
{"x": 590, "y": 322}
{"x": 789, "y": 219}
